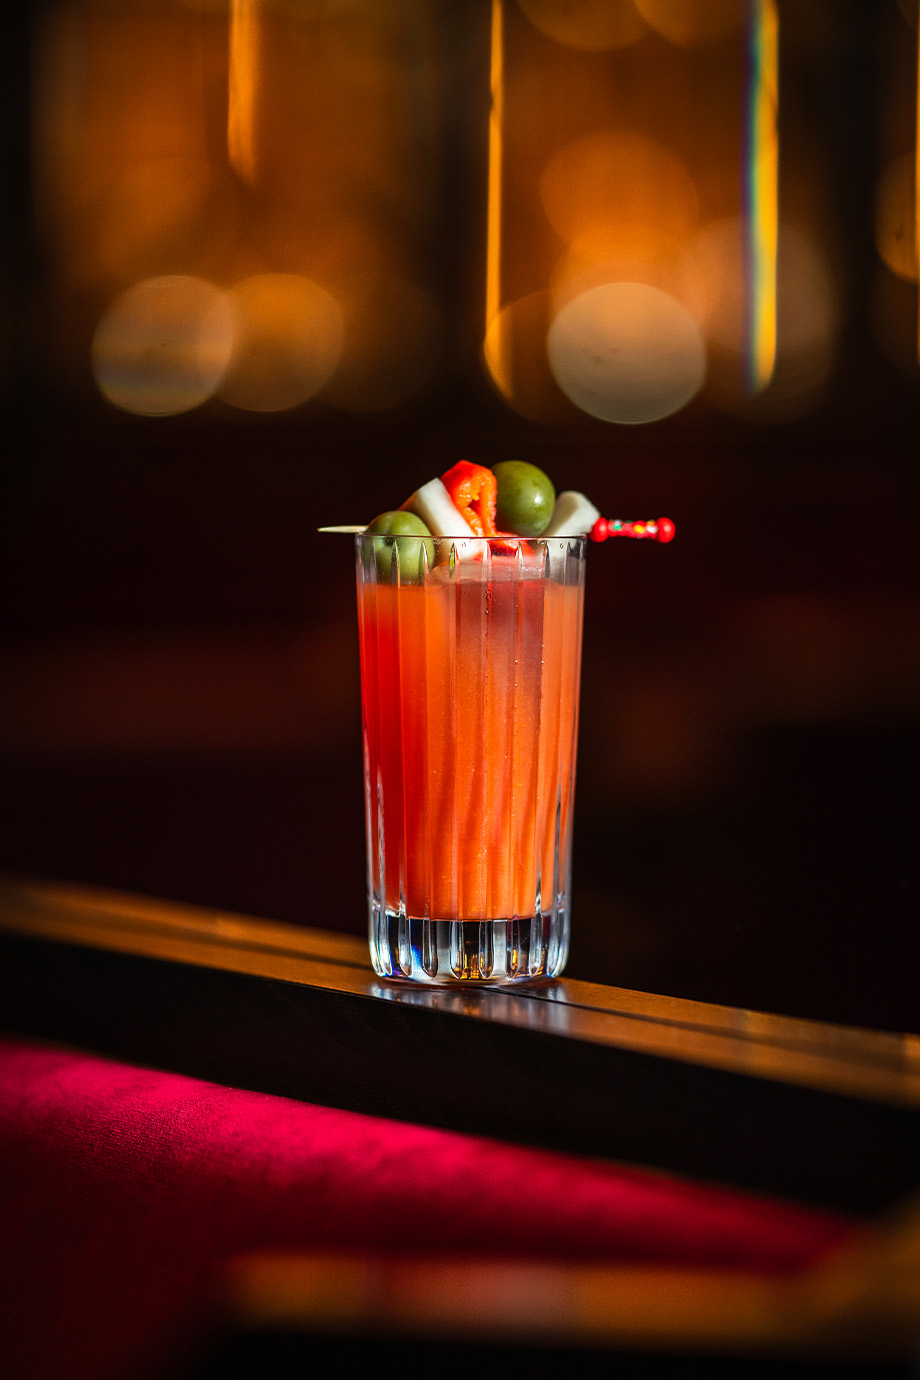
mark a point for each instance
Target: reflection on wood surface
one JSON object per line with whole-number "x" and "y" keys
{"x": 814, "y": 1113}
{"x": 876, "y": 1065}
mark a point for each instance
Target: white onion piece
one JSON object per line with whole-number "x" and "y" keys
{"x": 573, "y": 515}
{"x": 434, "y": 505}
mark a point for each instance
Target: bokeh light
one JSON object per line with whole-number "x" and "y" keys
{"x": 278, "y": 146}
{"x": 896, "y": 217}
{"x": 807, "y": 318}
{"x": 624, "y": 254}
{"x": 163, "y": 345}
{"x": 166, "y": 215}
{"x": 394, "y": 339}
{"x": 690, "y": 23}
{"x": 607, "y": 180}
{"x": 515, "y": 355}
{"x": 627, "y": 352}
{"x": 593, "y": 25}
{"x": 288, "y": 339}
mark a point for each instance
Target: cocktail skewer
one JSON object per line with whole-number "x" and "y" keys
{"x": 657, "y": 529}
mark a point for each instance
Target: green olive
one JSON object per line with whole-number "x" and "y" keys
{"x": 399, "y": 523}
{"x": 408, "y": 528}
{"x": 525, "y": 498}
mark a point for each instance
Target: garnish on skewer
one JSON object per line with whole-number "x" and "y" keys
{"x": 515, "y": 499}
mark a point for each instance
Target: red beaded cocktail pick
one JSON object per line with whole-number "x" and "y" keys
{"x": 658, "y": 529}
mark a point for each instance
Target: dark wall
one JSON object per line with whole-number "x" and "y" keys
{"x": 180, "y": 678}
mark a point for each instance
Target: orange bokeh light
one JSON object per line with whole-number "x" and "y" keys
{"x": 592, "y": 25}
{"x": 245, "y": 142}
{"x": 608, "y": 180}
{"x": 895, "y": 217}
{"x": 288, "y": 338}
{"x": 691, "y": 23}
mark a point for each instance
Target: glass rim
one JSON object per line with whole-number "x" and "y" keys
{"x": 503, "y": 540}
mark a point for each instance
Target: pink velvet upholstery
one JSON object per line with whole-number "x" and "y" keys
{"x": 123, "y": 1189}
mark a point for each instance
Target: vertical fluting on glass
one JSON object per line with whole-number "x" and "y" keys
{"x": 550, "y": 710}
{"x": 379, "y": 917}
{"x": 427, "y": 944}
{"x": 560, "y": 746}
{"x": 371, "y": 709}
{"x": 536, "y": 840}
{"x": 469, "y": 722}
{"x": 491, "y": 641}
{"x": 451, "y": 759}
{"x": 511, "y": 712}
{"x": 404, "y": 634}
{"x": 403, "y": 638}
{"x": 384, "y": 863}
{"x": 535, "y": 947}
{"x": 482, "y": 630}
{"x": 368, "y": 707}
{"x": 572, "y": 663}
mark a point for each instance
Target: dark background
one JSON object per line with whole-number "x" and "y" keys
{"x": 180, "y": 678}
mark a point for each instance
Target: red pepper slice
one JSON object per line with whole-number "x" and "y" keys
{"x": 472, "y": 489}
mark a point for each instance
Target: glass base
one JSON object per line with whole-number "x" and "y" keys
{"x": 484, "y": 952}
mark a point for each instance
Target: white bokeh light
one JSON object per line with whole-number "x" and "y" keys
{"x": 627, "y": 352}
{"x": 163, "y": 345}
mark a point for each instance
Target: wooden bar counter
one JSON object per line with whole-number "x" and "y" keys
{"x": 820, "y": 1116}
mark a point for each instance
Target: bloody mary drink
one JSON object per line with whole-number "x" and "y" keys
{"x": 470, "y": 666}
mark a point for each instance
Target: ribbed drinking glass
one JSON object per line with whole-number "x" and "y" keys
{"x": 470, "y": 669}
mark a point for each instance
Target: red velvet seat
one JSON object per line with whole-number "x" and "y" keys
{"x": 125, "y": 1190}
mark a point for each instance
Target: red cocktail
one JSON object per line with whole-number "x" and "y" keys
{"x": 470, "y": 666}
